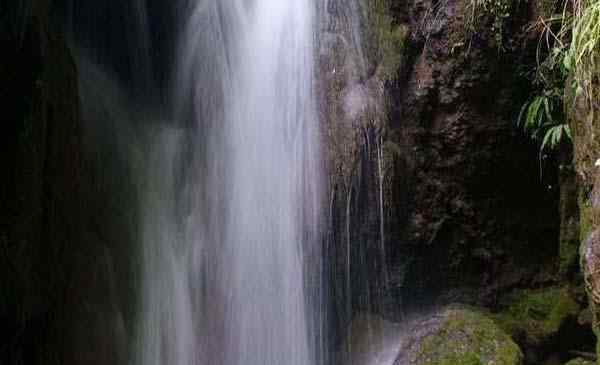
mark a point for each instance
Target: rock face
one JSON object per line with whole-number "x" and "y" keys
{"x": 360, "y": 47}
{"x": 475, "y": 190}
{"x": 546, "y": 322}
{"x": 434, "y": 195}
{"x": 586, "y": 142}
{"x": 41, "y": 190}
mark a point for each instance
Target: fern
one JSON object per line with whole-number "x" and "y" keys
{"x": 542, "y": 120}
{"x": 555, "y": 135}
{"x": 570, "y": 43}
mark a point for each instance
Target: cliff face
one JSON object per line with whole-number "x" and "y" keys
{"x": 479, "y": 195}
{"x": 41, "y": 188}
{"x": 462, "y": 190}
{"x": 435, "y": 196}
{"x": 584, "y": 123}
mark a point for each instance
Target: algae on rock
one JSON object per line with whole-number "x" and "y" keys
{"x": 537, "y": 315}
{"x": 468, "y": 337}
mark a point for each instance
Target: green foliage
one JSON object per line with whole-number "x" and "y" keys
{"x": 543, "y": 117}
{"x": 539, "y": 118}
{"x": 583, "y": 56}
{"x": 479, "y": 12}
{"x": 384, "y": 41}
{"x": 571, "y": 44}
{"x": 537, "y": 314}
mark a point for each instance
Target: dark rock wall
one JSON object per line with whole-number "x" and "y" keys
{"x": 469, "y": 210}
{"x": 59, "y": 303}
{"x": 584, "y": 124}
{"x": 479, "y": 201}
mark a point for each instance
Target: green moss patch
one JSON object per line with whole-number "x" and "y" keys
{"x": 468, "y": 337}
{"x": 384, "y": 41}
{"x": 537, "y": 315}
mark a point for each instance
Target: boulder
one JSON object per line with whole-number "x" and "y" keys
{"x": 466, "y": 337}
{"x": 453, "y": 335}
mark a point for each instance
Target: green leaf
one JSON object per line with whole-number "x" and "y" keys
{"x": 547, "y": 138}
{"x": 547, "y": 109}
{"x": 568, "y": 131}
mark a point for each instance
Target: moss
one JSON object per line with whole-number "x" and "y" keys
{"x": 384, "y": 41}
{"x": 468, "y": 337}
{"x": 393, "y": 44}
{"x": 469, "y": 358}
{"x": 586, "y": 219}
{"x": 491, "y": 15}
{"x": 569, "y": 253}
{"x": 537, "y": 314}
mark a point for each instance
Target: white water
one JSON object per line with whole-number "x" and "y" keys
{"x": 230, "y": 203}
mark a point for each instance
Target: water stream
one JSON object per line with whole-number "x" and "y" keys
{"x": 231, "y": 200}
{"x": 211, "y": 105}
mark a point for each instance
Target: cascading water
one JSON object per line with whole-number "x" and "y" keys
{"x": 230, "y": 202}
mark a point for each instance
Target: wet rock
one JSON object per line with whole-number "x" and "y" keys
{"x": 372, "y": 340}
{"x": 447, "y": 336}
{"x": 462, "y": 336}
{"x": 590, "y": 262}
{"x": 536, "y": 316}
{"x": 591, "y": 265}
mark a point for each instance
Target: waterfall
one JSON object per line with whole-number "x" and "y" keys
{"x": 230, "y": 203}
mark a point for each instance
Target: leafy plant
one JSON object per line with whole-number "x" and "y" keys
{"x": 583, "y": 56}
{"x": 543, "y": 116}
{"x": 541, "y": 119}
{"x": 571, "y": 42}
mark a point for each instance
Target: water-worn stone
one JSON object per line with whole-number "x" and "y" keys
{"x": 467, "y": 337}
{"x": 453, "y": 335}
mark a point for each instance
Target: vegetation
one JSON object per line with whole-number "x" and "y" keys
{"x": 479, "y": 12}
{"x": 543, "y": 117}
{"x": 570, "y": 41}
{"x": 583, "y": 55}
{"x": 384, "y": 40}
{"x": 537, "y": 314}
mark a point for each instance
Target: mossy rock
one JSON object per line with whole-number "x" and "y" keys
{"x": 580, "y": 361}
{"x": 537, "y": 315}
{"x": 467, "y": 337}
